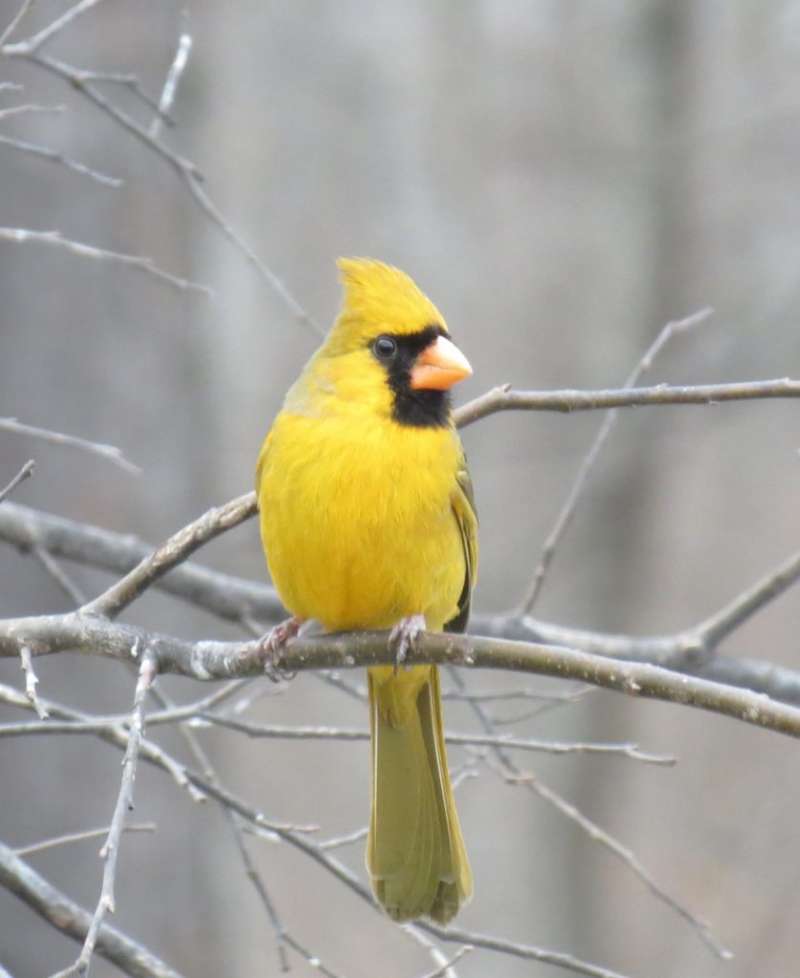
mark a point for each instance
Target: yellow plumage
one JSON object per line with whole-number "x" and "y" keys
{"x": 367, "y": 520}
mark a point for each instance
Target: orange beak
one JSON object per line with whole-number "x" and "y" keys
{"x": 439, "y": 366}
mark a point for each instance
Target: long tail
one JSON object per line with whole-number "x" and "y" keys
{"x": 415, "y": 851}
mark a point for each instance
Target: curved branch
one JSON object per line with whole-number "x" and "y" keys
{"x": 65, "y": 915}
{"x": 211, "y": 660}
{"x": 237, "y": 599}
{"x": 565, "y": 401}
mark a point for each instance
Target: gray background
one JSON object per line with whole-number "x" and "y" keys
{"x": 562, "y": 178}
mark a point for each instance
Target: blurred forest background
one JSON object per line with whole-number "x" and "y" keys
{"x": 562, "y": 179}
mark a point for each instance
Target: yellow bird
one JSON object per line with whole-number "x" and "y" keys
{"x": 368, "y": 522}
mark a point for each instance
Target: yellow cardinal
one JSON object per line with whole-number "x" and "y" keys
{"x": 368, "y": 521}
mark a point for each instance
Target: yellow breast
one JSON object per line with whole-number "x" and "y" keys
{"x": 356, "y": 519}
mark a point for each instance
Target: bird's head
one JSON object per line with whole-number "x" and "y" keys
{"x": 389, "y": 346}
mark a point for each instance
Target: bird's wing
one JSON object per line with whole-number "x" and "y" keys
{"x": 463, "y": 503}
{"x": 262, "y": 456}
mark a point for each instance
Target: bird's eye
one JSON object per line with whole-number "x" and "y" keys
{"x": 384, "y": 347}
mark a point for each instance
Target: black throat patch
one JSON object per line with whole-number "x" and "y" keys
{"x": 415, "y": 408}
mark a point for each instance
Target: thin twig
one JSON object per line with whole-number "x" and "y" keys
{"x": 31, "y": 682}
{"x": 146, "y": 265}
{"x": 26, "y": 109}
{"x": 564, "y": 517}
{"x": 32, "y": 44}
{"x": 177, "y": 68}
{"x": 24, "y": 473}
{"x": 70, "y": 837}
{"x": 296, "y": 836}
{"x": 186, "y": 171}
{"x": 110, "y": 849}
{"x": 278, "y": 732}
{"x": 311, "y": 959}
{"x": 58, "y": 438}
{"x": 498, "y": 695}
{"x": 524, "y": 951}
{"x": 717, "y": 627}
{"x": 117, "y": 735}
{"x": 57, "y": 573}
{"x": 597, "y": 834}
{"x": 54, "y": 156}
{"x": 444, "y": 965}
{"x": 337, "y": 841}
{"x": 179, "y": 546}
{"x": 530, "y": 781}
{"x": 234, "y": 822}
{"x": 15, "y": 21}
{"x": 569, "y": 400}
{"x": 67, "y": 917}
{"x": 445, "y": 970}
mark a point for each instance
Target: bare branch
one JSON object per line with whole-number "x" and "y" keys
{"x": 564, "y": 517}
{"x": 177, "y": 68}
{"x": 32, "y": 44}
{"x": 229, "y": 598}
{"x": 66, "y": 916}
{"x": 236, "y": 827}
{"x": 170, "y": 553}
{"x": 336, "y": 842}
{"x": 57, "y": 574}
{"x": 445, "y": 966}
{"x": 568, "y": 400}
{"x": 70, "y": 837}
{"x": 116, "y": 736}
{"x": 58, "y": 438}
{"x": 31, "y": 682}
{"x": 24, "y": 473}
{"x": 629, "y": 858}
{"x": 146, "y": 265}
{"x": 496, "y": 695}
{"x": 15, "y": 21}
{"x": 714, "y": 629}
{"x": 209, "y": 660}
{"x": 110, "y": 849}
{"x": 450, "y": 934}
{"x": 278, "y": 732}
{"x": 186, "y": 171}
{"x": 25, "y": 109}
{"x": 295, "y": 835}
{"x": 55, "y": 157}
{"x": 236, "y": 599}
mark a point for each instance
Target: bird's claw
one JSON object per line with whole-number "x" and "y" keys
{"x": 403, "y": 637}
{"x": 273, "y": 643}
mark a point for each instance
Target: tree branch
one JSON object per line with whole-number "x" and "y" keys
{"x": 569, "y": 400}
{"x": 69, "y": 918}
{"x": 110, "y": 849}
{"x": 567, "y": 511}
{"x": 210, "y": 660}
{"x": 24, "y": 473}
{"x": 54, "y": 156}
{"x": 57, "y": 438}
{"x": 147, "y": 265}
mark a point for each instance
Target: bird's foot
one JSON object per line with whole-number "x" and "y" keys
{"x": 403, "y": 636}
{"x": 273, "y": 643}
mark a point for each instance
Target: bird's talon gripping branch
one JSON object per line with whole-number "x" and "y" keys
{"x": 403, "y": 636}
{"x": 273, "y": 643}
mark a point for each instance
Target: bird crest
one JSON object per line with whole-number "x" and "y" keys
{"x": 380, "y": 299}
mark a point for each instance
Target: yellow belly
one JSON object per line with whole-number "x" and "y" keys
{"x": 357, "y": 523}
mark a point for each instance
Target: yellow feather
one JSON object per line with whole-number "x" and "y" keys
{"x": 364, "y": 522}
